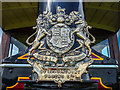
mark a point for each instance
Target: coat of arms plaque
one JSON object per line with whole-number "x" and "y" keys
{"x": 61, "y": 49}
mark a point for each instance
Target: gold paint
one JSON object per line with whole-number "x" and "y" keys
{"x": 59, "y": 84}
{"x": 47, "y": 63}
{"x": 45, "y": 58}
{"x": 71, "y": 63}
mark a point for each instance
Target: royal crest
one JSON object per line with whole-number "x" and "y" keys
{"x": 61, "y": 49}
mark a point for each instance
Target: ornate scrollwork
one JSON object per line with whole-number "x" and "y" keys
{"x": 56, "y": 56}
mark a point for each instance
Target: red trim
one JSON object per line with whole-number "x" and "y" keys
{"x": 18, "y": 85}
{"x": 101, "y": 86}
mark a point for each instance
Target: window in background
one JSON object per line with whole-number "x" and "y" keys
{"x": 118, "y": 36}
{"x": 15, "y": 47}
{"x": 102, "y": 47}
{"x": 0, "y": 34}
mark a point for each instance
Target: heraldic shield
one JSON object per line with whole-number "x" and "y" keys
{"x": 61, "y": 49}
{"x": 61, "y": 39}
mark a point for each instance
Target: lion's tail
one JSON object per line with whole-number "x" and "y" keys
{"x": 93, "y": 38}
{"x": 27, "y": 41}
